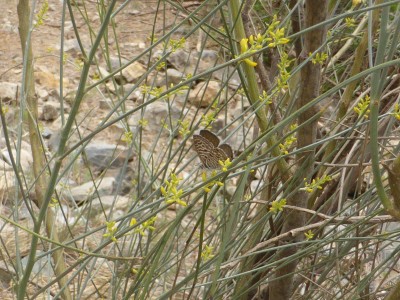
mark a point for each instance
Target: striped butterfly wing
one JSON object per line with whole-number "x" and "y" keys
{"x": 228, "y": 151}
{"x": 204, "y": 149}
{"x": 207, "y": 147}
{"x": 210, "y": 136}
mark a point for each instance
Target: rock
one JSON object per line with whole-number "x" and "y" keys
{"x": 155, "y": 115}
{"x": 132, "y": 72}
{"x": 172, "y": 76}
{"x": 25, "y": 161}
{"x": 125, "y": 179}
{"x": 71, "y": 46}
{"x": 50, "y": 111}
{"x": 102, "y": 155}
{"x": 42, "y": 264}
{"x": 110, "y": 87}
{"x": 7, "y": 185}
{"x": 103, "y": 72}
{"x": 117, "y": 62}
{"x": 54, "y": 140}
{"x": 204, "y": 93}
{"x": 55, "y": 93}
{"x": 26, "y": 146}
{"x": 87, "y": 191}
{"x": 103, "y": 205}
{"x": 66, "y": 215}
{"x": 179, "y": 60}
{"x": 208, "y": 60}
{"x": 8, "y": 92}
{"x": 105, "y": 103}
{"x": 50, "y": 81}
{"x": 42, "y": 94}
{"x": 180, "y": 99}
{"x": 130, "y": 94}
{"x": 226, "y": 74}
{"x": 46, "y": 133}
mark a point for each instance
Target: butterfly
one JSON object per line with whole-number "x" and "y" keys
{"x": 209, "y": 150}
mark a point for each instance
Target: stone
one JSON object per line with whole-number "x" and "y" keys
{"x": 208, "y": 60}
{"x": 25, "y": 161}
{"x": 50, "y": 111}
{"x": 173, "y": 76}
{"x": 54, "y": 140}
{"x": 132, "y": 72}
{"x": 71, "y": 46}
{"x": 87, "y": 191}
{"x": 179, "y": 60}
{"x": 46, "y": 133}
{"x": 49, "y": 80}
{"x": 7, "y": 185}
{"x": 180, "y": 99}
{"x": 26, "y": 146}
{"x": 204, "y": 93}
{"x": 117, "y": 62}
{"x": 42, "y": 94}
{"x": 9, "y": 92}
{"x": 105, "y": 103}
{"x": 125, "y": 179}
{"x": 103, "y": 72}
{"x": 230, "y": 74}
{"x": 132, "y": 94}
{"x": 104, "y": 204}
{"x": 156, "y": 114}
{"x": 102, "y": 155}
{"x": 42, "y": 264}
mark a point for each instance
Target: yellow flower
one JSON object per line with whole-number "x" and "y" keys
{"x": 277, "y": 205}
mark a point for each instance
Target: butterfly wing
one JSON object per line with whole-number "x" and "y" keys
{"x": 206, "y": 146}
{"x": 210, "y": 136}
{"x": 228, "y": 151}
{"x": 204, "y": 149}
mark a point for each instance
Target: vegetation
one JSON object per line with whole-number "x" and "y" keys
{"x": 307, "y": 209}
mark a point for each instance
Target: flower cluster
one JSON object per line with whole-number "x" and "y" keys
{"x": 284, "y": 74}
{"x": 284, "y": 148}
{"x": 170, "y": 191}
{"x": 396, "y": 112}
{"x": 176, "y": 44}
{"x": 264, "y": 97}
{"x": 208, "y": 186}
{"x": 207, "y": 253}
{"x": 319, "y": 58}
{"x": 362, "y": 108}
{"x": 156, "y": 92}
{"x": 272, "y": 38}
{"x": 183, "y": 128}
{"x": 147, "y": 225}
{"x": 41, "y": 14}
{"x": 143, "y": 123}
{"x": 277, "y": 206}
{"x": 309, "y": 235}
{"x": 225, "y": 164}
{"x": 111, "y": 230}
{"x": 316, "y": 183}
{"x": 127, "y": 137}
{"x": 207, "y": 119}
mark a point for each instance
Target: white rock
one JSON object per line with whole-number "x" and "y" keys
{"x": 133, "y": 72}
{"x": 87, "y": 191}
{"x": 204, "y": 93}
{"x": 8, "y": 92}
